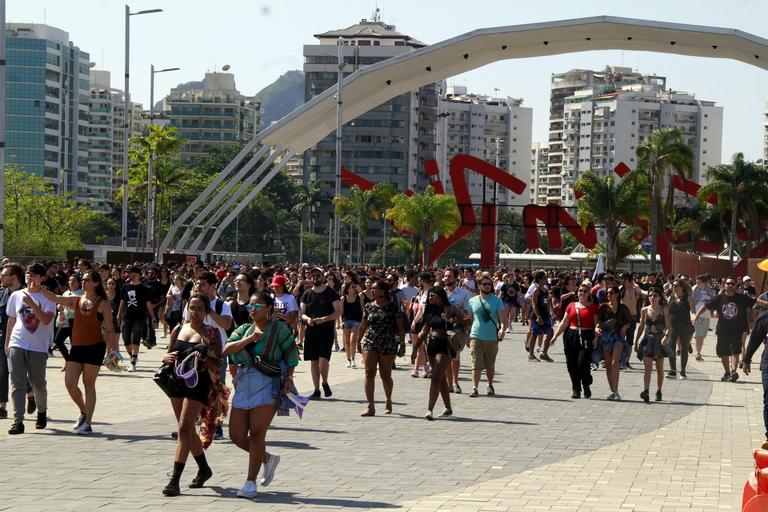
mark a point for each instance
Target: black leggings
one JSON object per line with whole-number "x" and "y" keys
{"x": 680, "y": 336}
{"x": 578, "y": 358}
{"x": 62, "y": 333}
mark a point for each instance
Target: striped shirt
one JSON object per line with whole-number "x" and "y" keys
{"x": 283, "y": 346}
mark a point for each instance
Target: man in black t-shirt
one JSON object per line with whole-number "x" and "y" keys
{"x": 732, "y": 313}
{"x": 319, "y": 309}
{"x": 135, "y": 306}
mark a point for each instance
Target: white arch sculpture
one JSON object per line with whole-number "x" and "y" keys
{"x": 371, "y": 86}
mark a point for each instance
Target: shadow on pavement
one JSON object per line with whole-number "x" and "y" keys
{"x": 292, "y": 498}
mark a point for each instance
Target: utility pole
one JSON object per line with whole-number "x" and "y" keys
{"x": 2, "y": 129}
{"x": 339, "y": 121}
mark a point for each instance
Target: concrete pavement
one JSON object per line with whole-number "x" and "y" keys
{"x": 529, "y": 448}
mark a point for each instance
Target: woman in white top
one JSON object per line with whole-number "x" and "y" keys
{"x": 64, "y": 319}
{"x": 173, "y": 301}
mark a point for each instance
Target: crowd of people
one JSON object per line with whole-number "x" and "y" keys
{"x": 255, "y": 323}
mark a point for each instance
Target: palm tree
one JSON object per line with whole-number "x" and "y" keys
{"x": 615, "y": 205}
{"x": 662, "y": 155}
{"x": 424, "y": 216}
{"x": 360, "y": 206}
{"x": 742, "y": 191}
{"x": 310, "y": 196}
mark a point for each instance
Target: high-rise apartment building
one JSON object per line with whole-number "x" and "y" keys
{"x": 497, "y": 130}
{"x": 47, "y": 118}
{"x": 603, "y": 125}
{"x": 540, "y": 179}
{"x": 388, "y": 143}
{"x": 105, "y": 140}
{"x": 214, "y": 116}
{"x": 562, "y": 86}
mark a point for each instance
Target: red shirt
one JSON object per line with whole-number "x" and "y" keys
{"x": 586, "y": 315}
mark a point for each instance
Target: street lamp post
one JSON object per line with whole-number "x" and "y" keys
{"x": 2, "y": 129}
{"x": 127, "y": 117}
{"x": 150, "y": 176}
{"x": 339, "y": 121}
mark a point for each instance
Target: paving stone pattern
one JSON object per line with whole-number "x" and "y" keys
{"x": 529, "y": 448}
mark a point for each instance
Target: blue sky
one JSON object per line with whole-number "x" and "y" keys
{"x": 260, "y": 40}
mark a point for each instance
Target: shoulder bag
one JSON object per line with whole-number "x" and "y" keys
{"x": 457, "y": 338}
{"x": 268, "y": 368}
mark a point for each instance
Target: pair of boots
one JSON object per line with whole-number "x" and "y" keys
{"x": 204, "y": 472}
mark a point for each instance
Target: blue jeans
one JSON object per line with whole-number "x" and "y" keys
{"x": 765, "y": 401}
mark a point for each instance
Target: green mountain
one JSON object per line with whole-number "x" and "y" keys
{"x": 281, "y": 96}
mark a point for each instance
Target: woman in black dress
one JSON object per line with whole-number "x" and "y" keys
{"x": 680, "y": 309}
{"x": 439, "y": 317}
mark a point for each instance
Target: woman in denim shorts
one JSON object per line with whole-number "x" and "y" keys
{"x": 258, "y": 395}
{"x": 613, "y": 319}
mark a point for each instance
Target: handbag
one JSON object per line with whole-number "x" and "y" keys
{"x": 457, "y": 339}
{"x": 268, "y": 368}
{"x": 166, "y": 379}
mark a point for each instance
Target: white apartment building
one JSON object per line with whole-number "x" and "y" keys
{"x": 540, "y": 180}
{"x": 564, "y": 85}
{"x": 603, "y": 126}
{"x": 497, "y": 130}
{"x": 105, "y": 139}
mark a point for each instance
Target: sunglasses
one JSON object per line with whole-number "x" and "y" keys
{"x": 254, "y": 307}
{"x": 486, "y": 284}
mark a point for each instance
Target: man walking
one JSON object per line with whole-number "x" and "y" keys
{"x": 11, "y": 277}
{"x": 541, "y": 320}
{"x": 29, "y": 334}
{"x": 487, "y": 331}
{"x": 732, "y": 310}
{"x": 320, "y": 308}
{"x": 135, "y": 307}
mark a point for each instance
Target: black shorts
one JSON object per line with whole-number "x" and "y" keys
{"x": 133, "y": 331}
{"x": 728, "y": 345}
{"x": 200, "y": 392}
{"x": 437, "y": 346}
{"x": 317, "y": 343}
{"x": 88, "y": 354}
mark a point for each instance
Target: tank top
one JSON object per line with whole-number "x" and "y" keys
{"x": 352, "y": 310}
{"x": 680, "y": 312}
{"x": 239, "y": 312}
{"x": 542, "y": 303}
{"x": 86, "y": 329}
{"x": 366, "y": 300}
{"x": 657, "y": 324}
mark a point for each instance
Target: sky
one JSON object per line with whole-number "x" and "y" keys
{"x": 261, "y": 40}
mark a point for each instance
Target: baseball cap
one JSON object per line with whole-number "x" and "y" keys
{"x": 746, "y": 279}
{"x": 278, "y": 280}
{"x": 221, "y": 273}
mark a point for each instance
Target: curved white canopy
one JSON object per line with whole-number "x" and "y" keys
{"x": 373, "y": 85}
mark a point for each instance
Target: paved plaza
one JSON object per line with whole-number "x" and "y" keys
{"x": 529, "y": 448}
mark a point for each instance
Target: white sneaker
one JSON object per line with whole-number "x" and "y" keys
{"x": 349, "y": 363}
{"x": 248, "y": 490}
{"x": 84, "y": 429}
{"x": 79, "y": 422}
{"x": 617, "y": 397}
{"x": 269, "y": 469}
{"x": 353, "y": 364}
{"x": 611, "y": 397}
{"x": 130, "y": 367}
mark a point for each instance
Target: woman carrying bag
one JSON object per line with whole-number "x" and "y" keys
{"x": 265, "y": 353}
{"x": 580, "y": 320}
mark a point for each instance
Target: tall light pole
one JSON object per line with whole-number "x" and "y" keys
{"x": 127, "y": 117}
{"x": 339, "y": 121}
{"x": 2, "y": 128}
{"x": 150, "y": 177}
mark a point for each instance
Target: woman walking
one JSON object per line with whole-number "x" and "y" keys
{"x": 173, "y": 300}
{"x": 439, "y": 317}
{"x": 352, "y": 316}
{"x": 257, "y": 394}
{"x": 653, "y": 330}
{"x": 579, "y": 324}
{"x": 93, "y": 330}
{"x": 613, "y": 319}
{"x": 680, "y": 309}
{"x": 202, "y": 344}
{"x": 381, "y": 324}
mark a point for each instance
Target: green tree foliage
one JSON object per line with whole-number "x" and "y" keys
{"x": 660, "y": 156}
{"x": 424, "y": 216}
{"x": 39, "y": 222}
{"x": 360, "y": 206}
{"x": 613, "y": 205}
{"x": 742, "y": 193}
{"x": 308, "y": 198}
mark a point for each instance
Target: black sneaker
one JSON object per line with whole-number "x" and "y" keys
{"x": 645, "y": 397}
{"x": 587, "y": 392}
{"x": 42, "y": 420}
{"x": 16, "y": 428}
{"x": 473, "y": 393}
{"x": 327, "y": 390}
{"x": 203, "y": 475}
{"x": 219, "y": 434}
{"x": 658, "y": 396}
{"x": 172, "y": 489}
{"x": 545, "y": 357}
{"x": 671, "y": 375}
{"x": 683, "y": 376}
{"x": 491, "y": 391}
{"x": 31, "y": 405}
{"x": 726, "y": 377}
{"x": 576, "y": 394}
{"x": 734, "y": 377}
{"x": 174, "y": 435}
{"x": 3, "y": 414}
{"x": 316, "y": 395}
